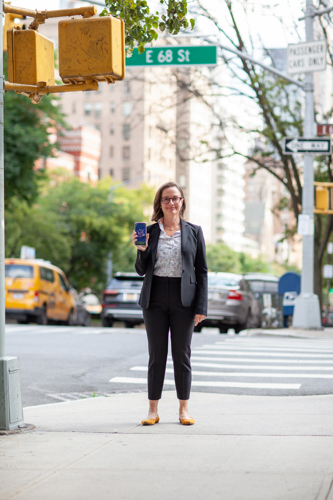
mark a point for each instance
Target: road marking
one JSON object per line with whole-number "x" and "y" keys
{"x": 265, "y": 367}
{"x": 197, "y": 383}
{"x": 243, "y": 374}
{"x": 269, "y": 348}
{"x": 255, "y": 353}
{"x": 258, "y": 360}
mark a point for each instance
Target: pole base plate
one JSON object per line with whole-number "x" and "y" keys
{"x": 307, "y": 312}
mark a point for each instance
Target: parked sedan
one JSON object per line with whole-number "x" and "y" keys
{"x": 231, "y": 303}
{"x": 120, "y": 300}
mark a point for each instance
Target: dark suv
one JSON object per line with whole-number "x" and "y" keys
{"x": 120, "y": 300}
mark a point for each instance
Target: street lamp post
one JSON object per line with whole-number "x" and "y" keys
{"x": 307, "y": 307}
{"x": 11, "y": 413}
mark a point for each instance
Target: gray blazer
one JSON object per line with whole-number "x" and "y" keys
{"x": 194, "y": 272}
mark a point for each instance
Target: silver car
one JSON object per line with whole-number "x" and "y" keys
{"x": 231, "y": 303}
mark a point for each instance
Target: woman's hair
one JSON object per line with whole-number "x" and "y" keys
{"x": 158, "y": 213}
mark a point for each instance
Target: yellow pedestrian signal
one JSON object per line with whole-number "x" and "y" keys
{"x": 30, "y": 57}
{"x": 92, "y": 49}
{"x": 323, "y": 198}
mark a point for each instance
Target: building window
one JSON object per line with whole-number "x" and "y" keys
{"x": 98, "y": 126}
{"x": 127, "y": 87}
{"x": 87, "y": 108}
{"x": 111, "y": 129}
{"x": 74, "y": 107}
{"x": 126, "y": 173}
{"x": 111, "y": 87}
{"x": 111, "y": 172}
{"x": 220, "y": 166}
{"x": 111, "y": 152}
{"x": 126, "y": 131}
{"x": 98, "y": 109}
{"x": 127, "y": 108}
{"x": 99, "y": 173}
{"x": 219, "y": 179}
{"x": 149, "y": 154}
{"x": 112, "y": 107}
{"x": 126, "y": 152}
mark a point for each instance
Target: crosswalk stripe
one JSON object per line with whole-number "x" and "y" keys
{"x": 276, "y": 349}
{"x": 197, "y": 383}
{"x": 243, "y": 374}
{"x": 256, "y": 353}
{"x": 258, "y": 360}
{"x": 263, "y": 367}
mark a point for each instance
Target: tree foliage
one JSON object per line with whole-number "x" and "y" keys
{"x": 74, "y": 226}
{"x": 142, "y": 25}
{"x": 221, "y": 258}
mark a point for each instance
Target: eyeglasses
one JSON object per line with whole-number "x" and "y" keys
{"x": 175, "y": 200}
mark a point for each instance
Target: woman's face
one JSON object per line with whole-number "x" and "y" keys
{"x": 171, "y": 208}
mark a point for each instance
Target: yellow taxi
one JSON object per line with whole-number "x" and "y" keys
{"x": 37, "y": 291}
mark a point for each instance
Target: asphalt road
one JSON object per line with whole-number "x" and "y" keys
{"x": 61, "y": 363}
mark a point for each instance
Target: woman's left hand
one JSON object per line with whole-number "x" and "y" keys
{"x": 198, "y": 318}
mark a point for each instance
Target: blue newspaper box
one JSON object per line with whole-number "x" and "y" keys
{"x": 289, "y": 288}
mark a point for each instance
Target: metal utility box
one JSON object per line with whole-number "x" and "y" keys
{"x": 92, "y": 49}
{"x": 30, "y": 57}
{"x": 11, "y": 412}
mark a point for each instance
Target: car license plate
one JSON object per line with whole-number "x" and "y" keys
{"x": 17, "y": 296}
{"x": 130, "y": 296}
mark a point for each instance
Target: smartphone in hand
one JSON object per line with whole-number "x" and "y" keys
{"x": 141, "y": 231}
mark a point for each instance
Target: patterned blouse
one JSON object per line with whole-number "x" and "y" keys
{"x": 168, "y": 257}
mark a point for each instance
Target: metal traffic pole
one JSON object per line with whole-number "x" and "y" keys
{"x": 307, "y": 307}
{"x": 11, "y": 412}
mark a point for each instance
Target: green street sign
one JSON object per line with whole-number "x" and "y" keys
{"x": 205, "y": 55}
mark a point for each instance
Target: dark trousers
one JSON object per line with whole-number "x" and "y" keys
{"x": 166, "y": 312}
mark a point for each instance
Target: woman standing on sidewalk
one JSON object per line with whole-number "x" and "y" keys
{"x": 173, "y": 296}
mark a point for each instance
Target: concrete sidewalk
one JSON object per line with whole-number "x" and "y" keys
{"x": 241, "y": 447}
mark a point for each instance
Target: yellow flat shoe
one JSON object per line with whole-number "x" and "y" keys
{"x": 150, "y": 421}
{"x": 187, "y": 421}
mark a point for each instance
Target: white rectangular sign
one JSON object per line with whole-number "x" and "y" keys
{"x": 305, "y": 225}
{"x": 306, "y": 57}
{"x": 328, "y": 271}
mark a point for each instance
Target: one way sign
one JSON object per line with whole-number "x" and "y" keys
{"x": 321, "y": 146}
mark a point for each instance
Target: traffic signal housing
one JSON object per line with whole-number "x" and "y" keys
{"x": 323, "y": 198}
{"x": 30, "y": 57}
{"x": 92, "y": 49}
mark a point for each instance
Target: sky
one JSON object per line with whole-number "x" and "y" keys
{"x": 263, "y": 16}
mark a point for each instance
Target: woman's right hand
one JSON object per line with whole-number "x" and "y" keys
{"x": 140, "y": 247}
